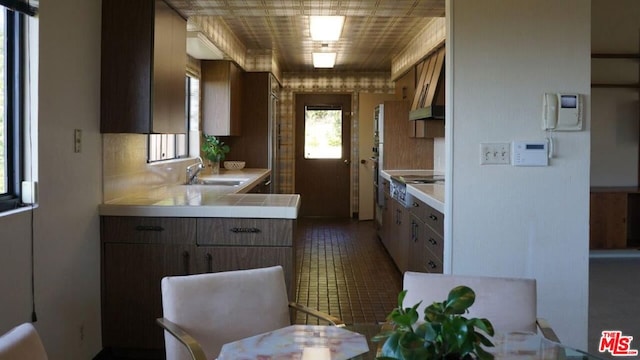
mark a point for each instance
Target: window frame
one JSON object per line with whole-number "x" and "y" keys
{"x": 14, "y": 107}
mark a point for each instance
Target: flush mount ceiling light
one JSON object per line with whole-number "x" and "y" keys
{"x": 324, "y": 59}
{"x": 325, "y": 28}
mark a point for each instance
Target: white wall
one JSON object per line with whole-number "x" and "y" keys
{"x": 615, "y": 119}
{"x": 518, "y": 221}
{"x": 66, "y": 224}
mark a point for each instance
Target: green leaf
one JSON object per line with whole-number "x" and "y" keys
{"x": 401, "y": 296}
{"x": 482, "y": 354}
{"x": 483, "y": 324}
{"x": 459, "y": 300}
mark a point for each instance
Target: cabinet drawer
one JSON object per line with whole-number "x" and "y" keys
{"x": 433, "y": 242}
{"x": 419, "y": 209}
{"x": 245, "y": 232}
{"x": 148, "y": 230}
{"x": 432, "y": 264}
{"x": 434, "y": 219}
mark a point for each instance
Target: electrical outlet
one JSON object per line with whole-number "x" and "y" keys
{"x": 495, "y": 153}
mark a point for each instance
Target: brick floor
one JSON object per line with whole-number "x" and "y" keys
{"x": 344, "y": 270}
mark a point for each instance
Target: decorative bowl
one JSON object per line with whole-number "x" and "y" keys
{"x": 234, "y": 165}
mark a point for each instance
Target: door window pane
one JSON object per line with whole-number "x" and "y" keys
{"x": 322, "y": 133}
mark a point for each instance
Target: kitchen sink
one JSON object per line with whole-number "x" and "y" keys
{"x": 220, "y": 181}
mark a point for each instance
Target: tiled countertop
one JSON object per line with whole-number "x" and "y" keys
{"x": 431, "y": 194}
{"x": 208, "y": 200}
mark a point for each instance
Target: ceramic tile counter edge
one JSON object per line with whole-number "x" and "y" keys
{"x": 430, "y": 194}
{"x": 208, "y": 200}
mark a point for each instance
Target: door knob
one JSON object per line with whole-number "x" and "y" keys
{"x": 363, "y": 161}
{"x": 347, "y": 162}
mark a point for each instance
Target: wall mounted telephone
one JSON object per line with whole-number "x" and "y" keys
{"x": 562, "y": 112}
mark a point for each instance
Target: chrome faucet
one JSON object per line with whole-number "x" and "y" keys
{"x": 192, "y": 175}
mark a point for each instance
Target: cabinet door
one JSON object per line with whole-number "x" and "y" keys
{"x": 227, "y": 258}
{"x": 143, "y": 68}
{"x": 416, "y": 248}
{"x": 608, "y": 220}
{"x": 221, "y": 93}
{"x": 387, "y": 217}
{"x": 131, "y": 297}
{"x": 169, "y": 71}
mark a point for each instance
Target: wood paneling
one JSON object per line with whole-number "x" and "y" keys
{"x": 245, "y": 232}
{"x": 131, "y": 297}
{"x": 226, "y": 258}
{"x": 149, "y": 230}
{"x": 221, "y": 86}
{"x": 143, "y": 68}
{"x": 406, "y": 85}
{"x": 608, "y": 220}
{"x": 253, "y": 145}
{"x": 400, "y": 150}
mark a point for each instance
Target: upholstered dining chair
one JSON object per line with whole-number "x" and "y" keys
{"x": 509, "y": 303}
{"x": 22, "y": 343}
{"x": 203, "y": 312}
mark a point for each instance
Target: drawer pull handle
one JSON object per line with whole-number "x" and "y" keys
{"x": 433, "y": 241}
{"x": 415, "y": 204}
{"x": 209, "y": 263}
{"x": 433, "y": 217}
{"x": 432, "y": 265}
{"x": 245, "y": 230}
{"x": 185, "y": 258}
{"x": 149, "y": 228}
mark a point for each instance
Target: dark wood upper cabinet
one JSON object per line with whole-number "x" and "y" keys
{"x": 143, "y": 68}
{"x": 221, "y": 86}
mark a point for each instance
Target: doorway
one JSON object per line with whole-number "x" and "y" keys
{"x": 323, "y": 154}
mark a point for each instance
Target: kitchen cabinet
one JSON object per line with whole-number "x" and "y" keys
{"x": 143, "y": 68}
{"x": 231, "y": 243}
{"x": 387, "y": 217}
{"x": 137, "y": 252}
{"x": 427, "y": 239}
{"x": 258, "y": 144}
{"x": 221, "y": 84}
{"x": 613, "y": 219}
{"x": 395, "y": 233}
{"x": 401, "y": 235}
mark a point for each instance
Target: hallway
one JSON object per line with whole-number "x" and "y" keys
{"x": 344, "y": 270}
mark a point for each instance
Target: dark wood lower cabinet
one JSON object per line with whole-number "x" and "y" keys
{"x": 137, "y": 252}
{"x": 413, "y": 236}
{"x": 131, "y": 298}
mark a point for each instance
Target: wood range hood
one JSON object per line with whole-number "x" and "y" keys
{"x": 428, "y": 102}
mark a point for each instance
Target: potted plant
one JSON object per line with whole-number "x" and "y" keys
{"x": 444, "y": 334}
{"x": 214, "y": 150}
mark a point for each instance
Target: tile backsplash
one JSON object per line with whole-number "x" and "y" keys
{"x": 126, "y": 171}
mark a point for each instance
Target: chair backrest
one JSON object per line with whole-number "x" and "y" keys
{"x": 22, "y": 343}
{"x": 218, "y": 308}
{"x": 509, "y": 303}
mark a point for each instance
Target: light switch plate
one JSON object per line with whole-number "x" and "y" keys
{"x": 495, "y": 153}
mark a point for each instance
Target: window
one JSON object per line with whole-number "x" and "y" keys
{"x": 322, "y": 133}
{"x": 174, "y": 146}
{"x": 11, "y": 107}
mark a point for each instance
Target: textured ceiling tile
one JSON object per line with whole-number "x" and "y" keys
{"x": 374, "y": 30}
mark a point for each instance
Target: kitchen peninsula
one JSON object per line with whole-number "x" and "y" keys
{"x": 411, "y": 220}
{"x": 186, "y": 229}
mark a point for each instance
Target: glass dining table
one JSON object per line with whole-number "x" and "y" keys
{"x": 311, "y": 342}
{"x": 516, "y": 346}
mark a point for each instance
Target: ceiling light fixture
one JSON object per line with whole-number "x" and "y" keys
{"x": 324, "y": 59}
{"x": 325, "y": 28}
